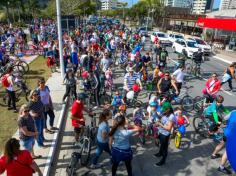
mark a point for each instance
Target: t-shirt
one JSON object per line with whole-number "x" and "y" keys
{"x": 213, "y": 108}
{"x": 77, "y": 112}
{"x": 179, "y": 75}
{"x": 146, "y": 59}
{"x": 16, "y": 169}
{"x": 165, "y": 120}
{"x": 163, "y": 56}
{"x": 103, "y": 127}
{"x": 131, "y": 80}
{"x": 27, "y": 122}
{"x": 36, "y": 107}
{"x": 121, "y": 139}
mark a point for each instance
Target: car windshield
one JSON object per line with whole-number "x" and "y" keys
{"x": 200, "y": 42}
{"x": 162, "y": 35}
{"x": 179, "y": 36}
{"x": 192, "y": 44}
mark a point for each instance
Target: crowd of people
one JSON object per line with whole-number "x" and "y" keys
{"x": 92, "y": 54}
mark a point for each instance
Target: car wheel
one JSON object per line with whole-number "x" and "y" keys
{"x": 185, "y": 53}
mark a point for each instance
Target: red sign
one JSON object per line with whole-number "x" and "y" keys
{"x": 228, "y": 24}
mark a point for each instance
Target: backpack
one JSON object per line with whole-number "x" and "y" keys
{"x": 4, "y": 81}
{"x": 163, "y": 56}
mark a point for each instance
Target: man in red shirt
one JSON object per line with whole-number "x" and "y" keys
{"x": 78, "y": 121}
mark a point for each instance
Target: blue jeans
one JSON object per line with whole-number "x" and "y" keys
{"x": 100, "y": 148}
{"x": 28, "y": 144}
{"x": 39, "y": 122}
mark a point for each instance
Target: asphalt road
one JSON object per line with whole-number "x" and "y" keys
{"x": 193, "y": 158}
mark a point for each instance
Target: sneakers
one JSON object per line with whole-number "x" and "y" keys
{"x": 224, "y": 170}
{"x": 160, "y": 163}
{"x": 215, "y": 156}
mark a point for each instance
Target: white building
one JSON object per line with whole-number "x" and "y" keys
{"x": 227, "y": 4}
{"x": 178, "y": 3}
{"x": 108, "y": 4}
{"x": 199, "y": 6}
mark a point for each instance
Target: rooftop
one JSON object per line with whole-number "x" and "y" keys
{"x": 231, "y": 13}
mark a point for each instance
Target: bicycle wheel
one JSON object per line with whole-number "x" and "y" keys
{"x": 177, "y": 140}
{"x": 200, "y": 126}
{"x": 187, "y": 103}
{"x": 198, "y": 103}
{"x": 85, "y": 152}
{"x": 19, "y": 69}
{"x": 188, "y": 68}
{"x": 25, "y": 65}
{"x": 151, "y": 94}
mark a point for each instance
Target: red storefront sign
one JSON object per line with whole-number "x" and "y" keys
{"x": 228, "y": 24}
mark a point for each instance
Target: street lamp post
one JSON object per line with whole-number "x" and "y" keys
{"x": 60, "y": 37}
{"x": 147, "y": 20}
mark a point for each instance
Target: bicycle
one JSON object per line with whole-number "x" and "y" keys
{"x": 87, "y": 140}
{"x": 194, "y": 68}
{"x": 21, "y": 90}
{"x": 180, "y": 131}
{"x": 183, "y": 98}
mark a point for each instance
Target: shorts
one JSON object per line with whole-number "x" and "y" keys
{"x": 28, "y": 144}
{"x": 118, "y": 155}
{"x": 77, "y": 130}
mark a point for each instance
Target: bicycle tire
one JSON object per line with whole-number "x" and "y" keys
{"x": 188, "y": 68}
{"x": 19, "y": 69}
{"x": 198, "y": 103}
{"x": 24, "y": 64}
{"x": 151, "y": 94}
{"x": 85, "y": 152}
{"x": 199, "y": 126}
{"x": 177, "y": 140}
{"x": 187, "y": 103}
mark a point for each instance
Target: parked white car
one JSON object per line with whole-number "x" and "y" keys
{"x": 174, "y": 37}
{"x": 187, "y": 47}
{"x": 206, "y": 49}
{"x": 162, "y": 37}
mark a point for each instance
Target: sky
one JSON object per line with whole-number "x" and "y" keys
{"x": 129, "y": 2}
{"x": 216, "y": 4}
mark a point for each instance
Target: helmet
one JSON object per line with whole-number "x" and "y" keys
{"x": 219, "y": 99}
{"x": 165, "y": 106}
{"x": 85, "y": 74}
{"x": 130, "y": 95}
{"x": 153, "y": 103}
{"x": 122, "y": 108}
{"x": 81, "y": 96}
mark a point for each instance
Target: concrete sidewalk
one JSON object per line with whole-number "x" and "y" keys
{"x": 57, "y": 92}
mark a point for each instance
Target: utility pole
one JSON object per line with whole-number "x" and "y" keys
{"x": 147, "y": 20}
{"x": 58, "y": 4}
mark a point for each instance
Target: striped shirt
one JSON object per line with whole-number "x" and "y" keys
{"x": 131, "y": 80}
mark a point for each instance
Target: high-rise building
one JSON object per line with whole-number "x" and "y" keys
{"x": 227, "y": 4}
{"x": 178, "y": 3}
{"x": 199, "y": 6}
{"x": 108, "y": 4}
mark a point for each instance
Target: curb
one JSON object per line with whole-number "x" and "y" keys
{"x": 51, "y": 154}
{"x": 224, "y": 60}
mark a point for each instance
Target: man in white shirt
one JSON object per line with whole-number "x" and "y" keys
{"x": 178, "y": 76}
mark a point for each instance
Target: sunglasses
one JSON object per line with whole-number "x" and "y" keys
{"x": 26, "y": 110}
{"x": 42, "y": 83}
{"x": 167, "y": 75}
{"x": 35, "y": 94}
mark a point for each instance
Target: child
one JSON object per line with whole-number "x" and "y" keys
{"x": 116, "y": 102}
{"x": 153, "y": 114}
{"x": 109, "y": 78}
{"x": 70, "y": 82}
{"x": 138, "y": 114}
{"x": 180, "y": 118}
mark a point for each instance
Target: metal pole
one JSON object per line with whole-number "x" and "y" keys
{"x": 60, "y": 37}
{"x": 147, "y": 21}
